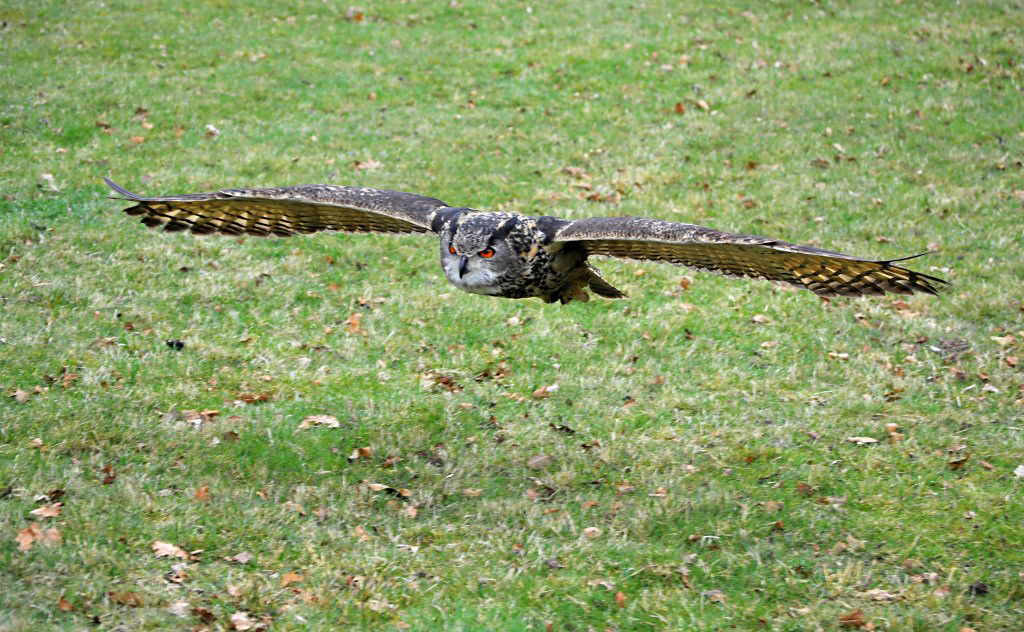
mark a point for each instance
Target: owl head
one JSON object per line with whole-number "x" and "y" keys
{"x": 475, "y": 251}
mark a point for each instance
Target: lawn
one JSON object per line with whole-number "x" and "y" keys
{"x": 318, "y": 432}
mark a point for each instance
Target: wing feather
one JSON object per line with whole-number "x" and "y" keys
{"x": 286, "y": 210}
{"x": 823, "y": 272}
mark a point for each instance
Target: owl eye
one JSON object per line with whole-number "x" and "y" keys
{"x": 451, "y": 249}
{"x": 487, "y": 253}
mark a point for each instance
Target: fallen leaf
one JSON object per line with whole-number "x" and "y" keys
{"x": 714, "y": 596}
{"x": 290, "y": 578}
{"x": 241, "y": 621}
{"x": 805, "y": 489}
{"x": 592, "y": 533}
{"x": 64, "y": 605}
{"x": 126, "y": 598}
{"x": 21, "y": 396}
{"x": 540, "y": 461}
{"x": 471, "y": 492}
{"x": 203, "y": 494}
{"x": 319, "y": 420}
{"x": 47, "y": 511}
{"x": 360, "y": 534}
{"x": 878, "y": 594}
{"x": 959, "y": 463}
{"x": 166, "y": 549}
{"x": 363, "y": 165}
{"x": 759, "y": 319}
{"x": 545, "y": 391}
{"x": 240, "y": 558}
{"x": 620, "y": 599}
{"x": 853, "y": 619}
{"x": 862, "y": 440}
{"x": 180, "y": 608}
{"x": 27, "y": 537}
{"x": 771, "y": 506}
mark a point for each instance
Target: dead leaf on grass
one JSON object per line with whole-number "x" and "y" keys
{"x": 125, "y": 598}
{"x": 166, "y": 549}
{"x": 853, "y": 619}
{"x": 47, "y": 511}
{"x": 319, "y": 420}
{"x": 714, "y": 596}
{"x": 540, "y": 461}
{"x": 240, "y": 558}
{"x": 958, "y": 464}
{"x": 862, "y": 440}
{"x": 290, "y": 578}
{"x": 241, "y": 621}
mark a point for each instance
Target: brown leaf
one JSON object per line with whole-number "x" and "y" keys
{"x": 290, "y": 578}
{"x": 320, "y": 420}
{"x": 771, "y": 506}
{"x": 363, "y": 165}
{"x": 27, "y": 537}
{"x": 620, "y": 599}
{"x": 203, "y": 494}
{"x": 51, "y": 536}
{"x": 959, "y": 463}
{"x": 542, "y": 393}
{"x": 241, "y": 621}
{"x": 47, "y": 511}
{"x": 166, "y": 549}
{"x": 360, "y": 534}
{"x": 540, "y": 461}
{"x": 137, "y": 140}
{"x": 64, "y": 605}
{"x": 853, "y": 619}
{"x": 714, "y": 596}
{"x": 805, "y": 489}
{"x": 352, "y": 323}
{"x": 126, "y": 598}
{"x": 862, "y": 440}
{"x": 21, "y": 396}
{"x": 240, "y": 558}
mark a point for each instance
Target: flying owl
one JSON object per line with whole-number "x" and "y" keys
{"x": 519, "y": 256}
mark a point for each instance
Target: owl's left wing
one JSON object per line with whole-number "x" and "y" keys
{"x": 823, "y": 272}
{"x": 286, "y": 210}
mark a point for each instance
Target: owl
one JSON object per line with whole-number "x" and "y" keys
{"x": 519, "y": 256}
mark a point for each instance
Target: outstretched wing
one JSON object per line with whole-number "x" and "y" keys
{"x": 820, "y": 271}
{"x": 286, "y": 210}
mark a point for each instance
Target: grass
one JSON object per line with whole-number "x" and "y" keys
{"x": 710, "y": 451}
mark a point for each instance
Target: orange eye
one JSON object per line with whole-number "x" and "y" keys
{"x": 451, "y": 249}
{"x": 487, "y": 254}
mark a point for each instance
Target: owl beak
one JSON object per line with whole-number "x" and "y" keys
{"x": 463, "y": 262}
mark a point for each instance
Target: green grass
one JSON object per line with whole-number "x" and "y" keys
{"x": 915, "y": 107}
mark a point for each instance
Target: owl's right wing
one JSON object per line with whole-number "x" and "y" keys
{"x": 286, "y": 211}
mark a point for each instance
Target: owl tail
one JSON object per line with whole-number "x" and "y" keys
{"x": 602, "y": 287}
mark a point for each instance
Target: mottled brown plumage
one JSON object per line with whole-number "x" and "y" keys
{"x": 518, "y": 256}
